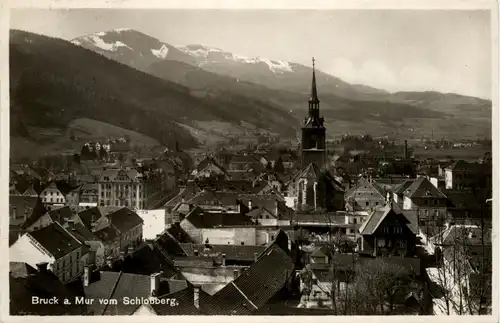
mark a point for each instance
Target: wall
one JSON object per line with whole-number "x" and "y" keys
{"x": 229, "y": 236}
{"x": 407, "y": 204}
{"x": 27, "y": 250}
{"x": 192, "y": 231}
{"x": 448, "y": 176}
{"x": 154, "y": 222}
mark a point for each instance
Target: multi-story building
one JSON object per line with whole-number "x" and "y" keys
{"x": 463, "y": 175}
{"x": 122, "y": 187}
{"x": 64, "y": 254}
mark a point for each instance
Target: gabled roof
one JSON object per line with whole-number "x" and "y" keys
{"x": 30, "y": 191}
{"x": 470, "y": 235}
{"x": 79, "y": 231}
{"x": 321, "y": 252}
{"x": 461, "y": 165}
{"x": 23, "y": 204}
{"x": 56, "y": 240}
{"x": 89, "y": 216}
{"x": 185, "y": 193}
{"x": 125, "y": 219}
{"x": 422, "y": 188}
{"x": 404, "y": 186}
{"x": 255, "y": 286}
{"x": 365, "y": 182}
{"x": 107, "y": 234}
{"x": 310, "y": 171}
{"x": 379, "y": 214}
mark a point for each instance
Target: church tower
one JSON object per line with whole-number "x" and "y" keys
{"x": 313, "y": 131}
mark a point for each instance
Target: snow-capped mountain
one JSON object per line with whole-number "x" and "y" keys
{"x": 206, "y": 55}
{"x": 140, "y": 51}
{"x": 130, "y": 47}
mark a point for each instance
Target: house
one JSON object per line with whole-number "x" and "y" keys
{"x": 129, "y": 291}
{"x": 244, "y": 162}
{"x": 122, "y": 187}
{"x": 73, "y": 196}
{"x": 185, "y": 193}
{"x": 209, "y": 168}
{"x": 89, "y": 194}
{"x": 219, "y": 227}
{"x": 53, "y": 214}
{"x": 365, "y": 195}
{"x": 388, "y": 231}
{"x": 22, "y": 208}
{"x": 425, "y": 199}
{"x": 265, "y": 281}
{"x": 30, "y": 191}
{"x": 52, "y": 195}
{"x": 315, "y": 190}
{"x": 268, "y": 210}
{"x": 119, "y": 230}
{"x": 27, "y": 282}
{"x": 464, "y": 254}
{"x": 64, "y": 254}
{"x": 463, "y": 175}
{"x": 210, "y": 200}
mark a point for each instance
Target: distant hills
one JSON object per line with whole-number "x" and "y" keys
{"x": 167, "y": 93}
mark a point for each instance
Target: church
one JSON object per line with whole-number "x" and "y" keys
{"x": 313, "y": 188}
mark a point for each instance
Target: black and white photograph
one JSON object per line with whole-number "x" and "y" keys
{"x": 251, "y": 162}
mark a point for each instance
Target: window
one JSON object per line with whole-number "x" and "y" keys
{"x": 398, "y": 230}
{"x": 355, "y": 221}
{"x": 385, "y": 230}
{"x": 367, "y": 203}
{"x": 435, "y": 202}
{"x": 381, "y": 243}
{"x": 401, "y": 243}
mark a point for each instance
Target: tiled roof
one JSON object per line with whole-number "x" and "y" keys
{"x": 379, "y": 214}
{"x": 185, "y": 194}
{"x": 178, "y": 233}
{"x": 167, "y": 242}
{"x": 56, "y": 240}
{"x": 61, "y": 215}
{"x": 80, "y": 232}
{"x": 107, "y": 234}
{"x": 209, "y": 197}
{"x": 148, "y": 260}
{"x": 404, "y": 186}
{"x": 23, "y": 204}
{"x": 89, "y": 216}
{"x": 202, "y": 219}
{"x": 461, "y": 165}
{"x": 185, "y": 300}
{"x": 423, "y": 188}
{"x": 26, "y": 282}
{"x": 255, "y": 286}
{"x": 125, "y": 219}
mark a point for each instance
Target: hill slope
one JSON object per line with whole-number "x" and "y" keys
{"x": 54, "y": 82}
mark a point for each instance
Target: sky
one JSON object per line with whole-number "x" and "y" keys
{"x": 394, "y": 50}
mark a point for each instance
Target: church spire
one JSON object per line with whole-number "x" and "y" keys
{"x": 313, "y": 100}
{"x": 314, "y": 91}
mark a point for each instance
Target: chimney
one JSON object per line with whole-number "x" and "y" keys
{"x": 86, "y": 276}
{"x": 276, "y": 203}
{"x": 71, "y": 225}
{"x": 109, "y": 262}
{"x": 195, "y": 252}
{"x": 223, "y": 259}
{"x": 154, "y": 285}
{"x": 406, "y": 149}
{"x": 255, "y": 256}
{"x": 196, "y": 291}
{"x": 42, "y": 266}
{"x": 236, "y": 273}
{"x": 250, "y": 205}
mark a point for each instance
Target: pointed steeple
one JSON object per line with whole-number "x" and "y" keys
{"x": 314, "y": 90}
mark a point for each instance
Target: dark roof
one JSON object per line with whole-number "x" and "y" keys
{"x": 185, "y": 301}
{"x": 80, "y": 232}
{"x": 32, "y": 205}
{"x": 404, "y": 186}
{"x": 461, "y": 165}
{"x": 379, "y": 214}
{"x": 209, "y": 197}
{"x": 61, "y": 214}
{"x": 26, "y": 282}
{"x": 232, "y": 252}
{"x": 470, "y": 235}
{"x": 185, "y": 193}
{"x": 147, "y": 260}
{"x": 463, "y": 199}
{"x": 56, "y": 240}
{"x": 89, "y": 216}
{"x": 125, "y": 219}
{"x": 168, "y": 242}
{"x": 107, "y": 234}
{"x": 255, "y": 286}
{"x": 201, "y": 219}
{"x": 422, "y": 188}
